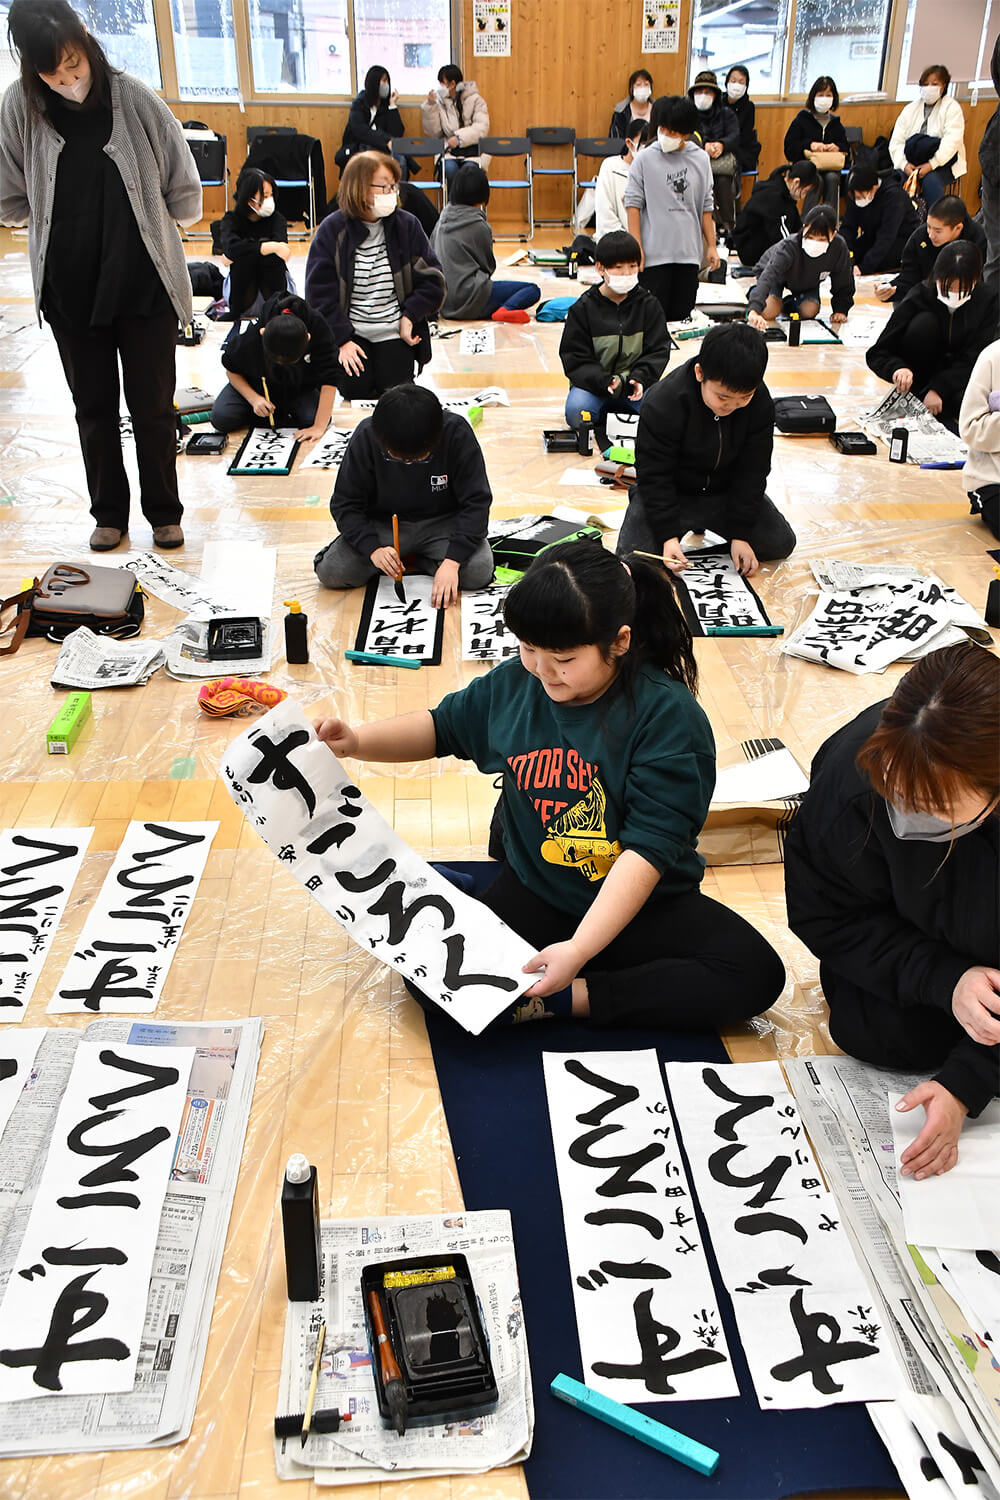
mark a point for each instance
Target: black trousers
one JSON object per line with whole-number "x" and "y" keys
{"x": 231, "y": 411}
{"x": 770, "y": 536}
{"x": 675, "y": 288}
{"x": 90, "y": 356}
{"x": 683, "y": 963}
{"x": 253, "y": 274}
{"x": 386, "y": 365}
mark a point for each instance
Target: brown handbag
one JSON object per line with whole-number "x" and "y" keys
{"x": 107, "y": 601}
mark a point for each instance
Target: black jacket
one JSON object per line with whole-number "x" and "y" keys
{"x": 452, "y": 484}
{"x": 362, "y": 133}
{"x": 807, "y": 127}
{"x": 962, "y": 337}
{"x": 683, "y": 450}
{"x": 603, "y": 338}
{"x": 719, "y": 124}
{"x": 876, "y": 235}
{"x": 241, "y": 236}
{"x": 769, "y": 214}
{"x": 748, "y": 149}
{"x": 244, "y": 354}
{"x": 895, "y": 919}
{"x": 621, "y": 119}
{"x": 919, "y": 255}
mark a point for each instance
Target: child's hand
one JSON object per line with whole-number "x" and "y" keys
{"x": 902, "y": 380}
{"x": 886, "y": 292}
{"x": 744, "y": 558}
{"x": 635, "y": 390}
{"x": 933, "y": 403}
{"x": 352, "y": 357}
{"x": 756, "y": 321}
{"x": 444, "y": 589}
{"x": 674, "y": 556}
{"x": 561, "y": 962}
{"x": 838, "y": 318}
{"x": 340, "y": 737}
{"x": 261, "y": 406}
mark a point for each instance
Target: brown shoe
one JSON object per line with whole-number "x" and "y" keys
{"x": 168, "y": 536}
{"x": 105, "y": 538}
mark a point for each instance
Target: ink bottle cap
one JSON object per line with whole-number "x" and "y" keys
{"x": 298, "y": 1168}
{"x": 294, "y": 607}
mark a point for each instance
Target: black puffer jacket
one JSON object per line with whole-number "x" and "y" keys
{"x": 962, "y": 337}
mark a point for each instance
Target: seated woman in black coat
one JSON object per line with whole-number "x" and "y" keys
{"x": 374, "y": 121}
{"x": 254, "y": 239}
{"x": 938, "y": 331}
{"x": 739, "y": 101}
{"x": 637, "y": 104}
{"x": 891, "y": 870}
{"x": 818, "y": 129}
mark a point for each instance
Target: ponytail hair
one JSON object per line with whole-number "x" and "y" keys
{"x": 578, "y": 594}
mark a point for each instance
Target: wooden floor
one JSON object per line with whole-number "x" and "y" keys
{"x": 346, "y": 1073}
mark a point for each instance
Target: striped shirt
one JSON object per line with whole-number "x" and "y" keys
{"x": 375, "y": 310}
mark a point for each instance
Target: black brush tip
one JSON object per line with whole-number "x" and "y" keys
{"x": 395, "y": 1397}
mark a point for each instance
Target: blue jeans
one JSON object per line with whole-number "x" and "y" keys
{"x": 933, "y": 185}
{"x": 578, "y": 401}
{"x": 511, "y": 294}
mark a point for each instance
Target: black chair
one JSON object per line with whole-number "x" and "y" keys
{"x": 420, "y": 147}
{"x": 597, "y": 148}
{"x": 554, "y": 137}
{"x": 211, "y": 159}
{"x": 296, "y": 163}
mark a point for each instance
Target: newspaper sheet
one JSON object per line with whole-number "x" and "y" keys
{"x": 159, "y": 1409}
{"x": 929, "y": 441}
{"x": 187, "y": 655}
{"x": 92, "y": 661}
{"x": 366, "y": 1450}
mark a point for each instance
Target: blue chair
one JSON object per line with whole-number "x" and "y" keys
{"x": 512, "y": 145}
{"x": 420, "y": 147}
{"x": 554, "y": 137}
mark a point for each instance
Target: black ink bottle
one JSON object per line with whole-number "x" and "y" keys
{"x": 899, "y": 440}
{"x": 300, "y": 1223}
{"x": 296, "y": 634}
{"x": 794, "y": 330}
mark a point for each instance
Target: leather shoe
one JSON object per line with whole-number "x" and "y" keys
{"x": 105, "y": 538}
{"x": 168, "y": 536}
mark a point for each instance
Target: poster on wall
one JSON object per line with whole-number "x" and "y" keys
{"x": 491, "y": 28}
{"x": 661, "y": 25}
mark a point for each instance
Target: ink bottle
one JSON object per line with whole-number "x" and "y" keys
{"x": 898, "y": 442}
{"x": 296, "y": 634}
{"x": 300, "y": 1224}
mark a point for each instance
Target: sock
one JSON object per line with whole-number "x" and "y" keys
{"x": 458, "y": 878}
{"x": 511, "y": 315}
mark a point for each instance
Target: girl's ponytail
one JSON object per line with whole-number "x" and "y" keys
{"x": 660, "y": 634}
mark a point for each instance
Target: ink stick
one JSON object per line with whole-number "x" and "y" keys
{"x": 300, "y": 1223}
{"x": 654, "y": 1434}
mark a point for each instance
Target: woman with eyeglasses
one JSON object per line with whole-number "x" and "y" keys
{"x": 891, "y": 880}
{"x": 373, "y": 275}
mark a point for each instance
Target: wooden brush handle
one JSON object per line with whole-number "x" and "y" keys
{"x": 387, "y": 1360}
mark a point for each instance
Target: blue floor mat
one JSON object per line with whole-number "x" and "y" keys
{"x": 494, "y": 1100}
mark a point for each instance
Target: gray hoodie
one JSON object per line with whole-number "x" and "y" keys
{"x": 463, "y": 242}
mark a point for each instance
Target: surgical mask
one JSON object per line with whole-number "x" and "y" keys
{"x": 930, "y": 93}
{"x": 864, "y": 202}
{"x": 815, "y": 248}
{"x": 823, "y": 103}
{"x": 623, "y": 284}
{"x": 668, "y": 142}
{"x": 927, "y": 828}
{"x": 384, "y": 205}
{"x": 736, "y": 90}
{"x": 954, "y": 300}
{"x": 383, "y": 91}
{"x": 266, "y": 209}
{"x": 443, "y": 94}
{"x": 77, "y": 92}
{"x": 641, "y": 93}
{"x": 704, "y": 101}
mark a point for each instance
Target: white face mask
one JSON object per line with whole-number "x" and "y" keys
{"x": 641, "y": 93}
{"x": 815, "y": 248}
{"x": 953, "y": 300}
{"x": 864, "y": 202}
{"x": 623, "y": 284}
{"x": 930, "y": 93}
{"x": 266, "y": 209}
{"x": 77, "y": 91}
{"x": 384, "y": 205}
{"x": 668, "y": 142}
{"x": 736, "y": 90}
{"x": 383, "y": 91}
{"x": 444, "y": 93}
{"x": 704, "y": 101}
{"x": 823, "y": 103}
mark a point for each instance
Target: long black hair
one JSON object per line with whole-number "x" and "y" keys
{"x": 40, "y": 31}
{"x": 373, "y": 78}
{"x": 249, "y": 183}
{"x": 578, "y": 594}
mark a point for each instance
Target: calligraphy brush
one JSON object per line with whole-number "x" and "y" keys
{"x": 392, "y": 1380}
{"x": 267, "y": 398}
{"x": 400, "y": 595}
{"x": 311, "y": 1398}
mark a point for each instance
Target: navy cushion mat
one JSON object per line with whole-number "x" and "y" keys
{"x": 494, "y": 1099}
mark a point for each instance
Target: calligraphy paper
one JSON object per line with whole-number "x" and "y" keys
{"x": 178, "y": 588}
{"x": 413, "y": 628}
{"x": 243, "y": 572}
{"x": 38, "y": 868}
{"x": 832, "y": 574}
{"x": 301, "y": 801}
{"x": 866, "y": 630}
{"x": 328, "y": 452}
{"x": 960, "y": 1210}
{"x": 646, "y": 1311}
{"x": 266, "y": 450}
{"x": 812, "y": 1331}
{"x": 713, "y": 593}
{"x": 73, "y": 1310}
{"x": 133, "y": 929}
{"x": 17, "y": 1053}
{"x": 477, "y": 341}
{"x": 771, "y": 777}
{"x": 485, "y": 637}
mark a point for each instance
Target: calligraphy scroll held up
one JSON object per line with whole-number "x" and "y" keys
{"x": 123, "y": 955}
{"x": 38, "y": 867}
{"x": 73, "y": 1310}
{"x": 314, "y": 820}
{"x": 391, "y": 627}
{"x": 646, "y": 1311}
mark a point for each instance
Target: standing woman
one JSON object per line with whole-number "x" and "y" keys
{"x": 928, "y": 137}
{"x": 637, "y": 104}
{"x": 374, "y": 121}
{"x": 254, "y": 239}
{"x": 742, "y": 106}
{"x": 99, "y": 169}
{"x": 817, "y": 133}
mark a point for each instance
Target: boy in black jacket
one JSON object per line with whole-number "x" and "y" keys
{"x": 615, "y": 344}
{"x": 773, "y": 210}
{"x": 947, "y": 221}
{"x": 878, "y": 220}
{"x": 283, "y": 368}
{"x": 414, "y": 460}
{"x": 703, "y": 454}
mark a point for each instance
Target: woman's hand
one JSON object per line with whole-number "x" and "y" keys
{"x": 975, "y": 1004}
{"x": 923, "y": 170}
{"x": 902, "y": 380}
{"x": 432, "y": 97}
{"x": 935, "y": 1149}
{"x": 452, "y": 142}
{"x": 756, "y": 321}
{"x": 261, "y": 407}
{"x": 352, "y": 357}
{"x": 406, "y": 331}
{"x": 561, "y": 962}
{"x": 337, "y": 735}
{"x": 933, "y": 403}
{"x": 714, "y": 149}
{"x": 635, "y": 390}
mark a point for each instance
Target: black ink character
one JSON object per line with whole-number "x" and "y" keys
{"x": 656, "y": 1342}
{"x": 275, "y": 765}
{"x": 819, "y": 1350}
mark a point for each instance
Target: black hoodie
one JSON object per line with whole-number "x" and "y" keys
{"x": 768, "y": 216}
{"x": 876, "y": 234}
{"x": 963, "y": 335}
{"x": 898, "y": 920}
{"x": 244, "y": 354}
{"x": 604, "y": 338}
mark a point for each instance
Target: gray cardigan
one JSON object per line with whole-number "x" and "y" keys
{"x": 149, "y": 150}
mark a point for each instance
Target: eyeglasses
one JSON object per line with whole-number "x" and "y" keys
{"x": 378, "y": 187}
